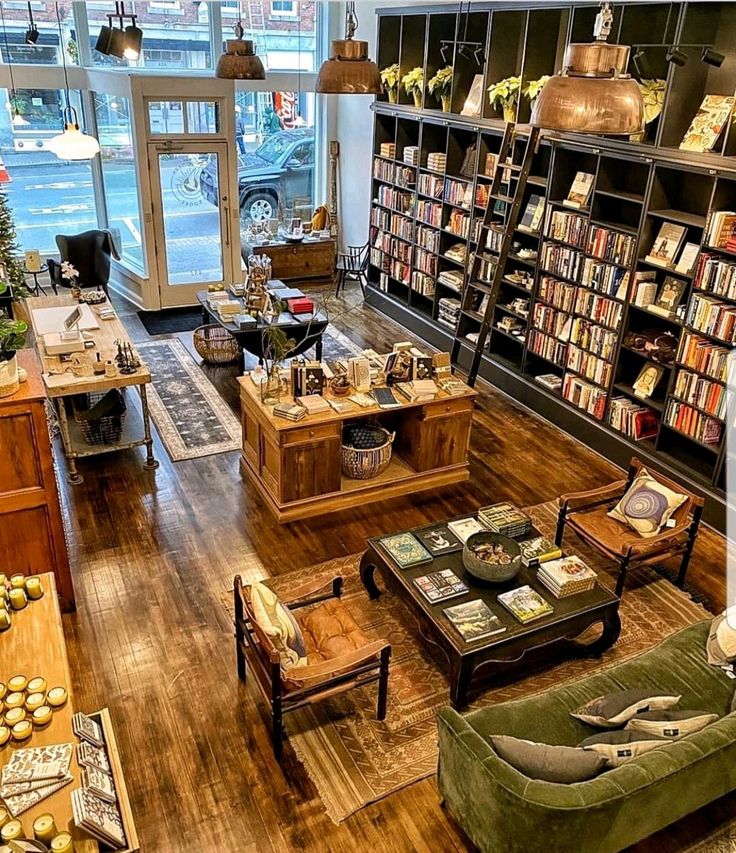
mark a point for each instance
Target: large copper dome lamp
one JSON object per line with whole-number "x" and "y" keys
{"x": 349, "y": 71}
{"x": 593, "y": 93}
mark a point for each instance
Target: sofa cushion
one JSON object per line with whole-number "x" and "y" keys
{"x": 671, "y": 724}
{"x": 565, "y": 764}
{"x": 279, "y": 625}
{"x": 620, "y": 747}
{"x": 647, "y": 505}
{"x": 615, "y": 709}
{"x": 330, "y": 631}
{"x": 721, "y": 645}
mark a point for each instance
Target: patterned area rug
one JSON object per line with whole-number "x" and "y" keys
{"x": 355, "y": 760}
{"x": 190, "y": 416}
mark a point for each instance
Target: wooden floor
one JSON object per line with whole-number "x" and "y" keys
{"x": 153, "y": 556}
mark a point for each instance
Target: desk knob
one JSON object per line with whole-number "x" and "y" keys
{"x": 311, "y": 433}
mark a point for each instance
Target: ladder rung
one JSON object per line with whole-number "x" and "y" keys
{"x": 477, "y": 285}
{"x": 498, "y": 197}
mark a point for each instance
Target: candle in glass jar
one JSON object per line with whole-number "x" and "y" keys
{"x": 14, "y": 715}
{"x": 14, "y": 700}
{"x": 62, "y": 843}
{"x": 33, "y": 701}
{"x": 17, "y": 684}
{"x": 4, "y": 619}
{"x": 34, "y": 590}
{"x": 22, "y": 730}
{"x": 36, "y": 685}
{"x": 42, "y": 716}
{"x": 44, "y": 827}
{"x": 13, "y": 829}
{"x": 56, "y": 697}
{"x": 17, "y": 599}
{"x": 4, "y": 737}
{"x": 18, "y": 581}
{"x": 3, "y": 689}
{"x": 4, "y": 816}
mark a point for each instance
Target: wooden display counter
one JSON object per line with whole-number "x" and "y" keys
{"x": 34, "y": 646}
{"x": 298, "y": 261}
{"x": 296, "y": 465}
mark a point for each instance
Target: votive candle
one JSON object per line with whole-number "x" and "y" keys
{"x": 36, "y": 685}
{"x": 4, "y": 738}
{"x": 13, "y": 829}
{"x": 56, "y": 697}
{"x": 44, "y": 827}
{"x": 17, "y": 684}
{"x": 17, "y": 599}
{"x": 4, "y": 816}
{"x": 3, "y": 689}
{"x": 4, "y": 618}
{"x": 33, "y": 701}
{"x": 34, "y": 590}
{"x": 14, "y": 700}
{"x": 42, "y": 716}
{"x": 22, "y": 730}
{"x": 14, "y": 715}
{"x": 62, "y": 843}
{"x": 18, "y": 581}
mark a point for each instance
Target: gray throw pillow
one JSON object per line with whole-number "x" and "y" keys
{"x": 671, "y": 723}
{"x": 564, "y": 764}
{"x": 615, "y": 709}
{"x": 721, "y": 643}
{"x": 620, "y": 747}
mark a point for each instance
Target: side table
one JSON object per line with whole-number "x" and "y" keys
{"x": 37, "y": 289}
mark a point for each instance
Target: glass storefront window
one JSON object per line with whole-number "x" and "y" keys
{"x": 275, "y": 154}
{"x": 48, "y": 196}
{"x": 285, "y": 31}
{"x": 47, "y": 50}
{"x": 120, "y": 175}
{"x": 176, "y": 34}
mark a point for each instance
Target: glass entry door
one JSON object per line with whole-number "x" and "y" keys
{"x": 191, "y": 214}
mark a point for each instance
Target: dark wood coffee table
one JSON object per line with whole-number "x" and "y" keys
{"x": 510, "y": 651}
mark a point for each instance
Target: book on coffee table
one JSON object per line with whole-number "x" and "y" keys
{"x": 440, "y": 586}
{"x": 538, "y": 550}
{"x": 525, "y": 604}
{"x": 567, "y": 576}
{"x": 439, "y": 540}
{"x": 473, "y": 620}
{"x": 463, "y": 528}
{"x": 405, "y": 550}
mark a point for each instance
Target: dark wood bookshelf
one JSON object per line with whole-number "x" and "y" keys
{"x": 638, "y": 185}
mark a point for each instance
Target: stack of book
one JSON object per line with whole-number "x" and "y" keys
{"x": 228, "y": 309}
{"x": 538, "y": 550}
{"x": 506, "y": 519}
{"x": 721, "y": 230}
{"x": 411, "y": 155}
{"x": 451, "y": 278}
{"x": 633, "y": 419}
{"x": 31, "y": 775}
{"x": 418, "y": 391}
{"x": 290, "y": 411}
{"x": 313, "y": 403}
{"x": 388, "y": 149}
{"x": 436, "y": 161}
{"x": 567, "y": 576}
{"x": 99, "y": 818}
{"x": 550, "y": 381}
{"x": 448, "y": 311}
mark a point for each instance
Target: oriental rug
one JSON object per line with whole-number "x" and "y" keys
{"x": 355, "y": 760}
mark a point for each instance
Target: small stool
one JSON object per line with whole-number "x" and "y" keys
{"x": 37, "y": 289}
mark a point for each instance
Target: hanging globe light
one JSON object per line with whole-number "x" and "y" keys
{"x": 72, "y": 143}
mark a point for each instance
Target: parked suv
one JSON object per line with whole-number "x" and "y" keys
{"x": 281, "y": 167}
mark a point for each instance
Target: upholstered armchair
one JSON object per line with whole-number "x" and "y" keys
{"x": 339, "y": 655}
{"x": 90, "y": 253}
{"x": 587, "y": 514}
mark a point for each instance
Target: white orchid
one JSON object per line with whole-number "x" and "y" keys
{"x": 69, "y": 271}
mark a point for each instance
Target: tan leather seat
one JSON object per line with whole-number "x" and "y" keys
{"x": 609, "y": 535}
{"x": 330, "y": 631}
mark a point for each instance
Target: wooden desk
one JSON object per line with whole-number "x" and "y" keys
{"x": 34, "y": 645}
{"x": 296, "y": 465}
{"x": 298, "y": 261}
{"x": 137, "y": 428}
{"x": 32, "y": 537}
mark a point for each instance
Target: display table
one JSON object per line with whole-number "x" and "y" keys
{"x": 31, "y": 524}
{"x": 34, "y": 646}
{"x": 297, "y": 261}
{"x": 296, "y": 466}
{"x": 60, "y": 386}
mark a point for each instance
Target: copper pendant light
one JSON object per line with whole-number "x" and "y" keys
{"x": 239, "y": 61}
{"x": 593, "y": 93}
{"x": 349, "y": 71}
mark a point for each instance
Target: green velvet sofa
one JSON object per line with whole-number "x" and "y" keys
{"x": 502, "y": 810}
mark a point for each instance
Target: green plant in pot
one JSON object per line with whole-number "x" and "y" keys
{"x": 12, "y": 338}
{"x": 390, "y": 80}
{"x": 652, "y": 94}
{"x": 413, "y": 83}
{"x": 440, "y": 87}
{"x": 276, "y": 348}
{"x": 504, "y": 96}
{"x": 534, "y": 87}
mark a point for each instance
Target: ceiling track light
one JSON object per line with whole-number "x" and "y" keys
{"x": 123, "y": 43}
{"x": 467, "y": 49}
{"x": 349, "y": 70}
{"x": 32, "y": 31}
{"x": 712, "y": 57}
{"x": 677, "y": 55}
{"x": 239, "y": 60}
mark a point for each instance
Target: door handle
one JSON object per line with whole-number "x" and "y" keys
{"x": 226, "y": 209}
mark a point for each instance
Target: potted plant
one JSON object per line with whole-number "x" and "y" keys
{"x": 12, "y": 338}
{"x": 276, "y": 348}
{"x": 440, "y": 86}
{"x": 71, "y": 274}
{"x": 390, "y": 80}
{"x": 534, "y": 87}
{"x": 504, "y": 95}
{"x": 413, "y": 82}
{"x": 652, "y": 93}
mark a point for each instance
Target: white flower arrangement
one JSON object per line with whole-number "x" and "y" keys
{"x": 69, "y": 271}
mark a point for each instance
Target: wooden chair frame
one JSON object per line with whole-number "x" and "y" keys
{"x": 354, "y": 265}
{"x": 668, "y": 543}
{"x": 310, "y": 683}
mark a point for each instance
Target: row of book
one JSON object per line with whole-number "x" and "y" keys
{"x": 596, "y": 339}
{"x": 396, "y": 269}
{"x": 701, "y": 427}
{"x": 457, "y": 192}
{"x": 598, "y": 308}
{"x": 426, "y": 262}
{"x": 721, "y": 230}
{"x": 567, "y": 227}
{"x": 559, "y": 294}
{"x": 423, "y": 283}
{"x": 482, "y": 195}
{"x": 430, "y": 185}
{"x": 458, "y": 224}
{"x": 395, "y": 223}
{"x": 704, "y": 356}
{"x": 588, "y": 365}
{"x": 398, "y": 200}
{"x": 383, "y": 171}
{"x": 405, "y": 176}
{"x": 716, "y": 275}
{"x": 701, "y": 392}
{"x": 562, "y": 261}
{"x": 549, "y": 348}
{"x": 551, "y": 321}
{"x": 428, "y": 238}
{"x": 494, "y": 240}
{"x": 584, "y": 395}
{"x": 613, "y": 246}
{"x": 605, "y": 278}
{"x": 632, "y": 418}
{"x": 710, "y": 315}
{"x": 430, "y": 213}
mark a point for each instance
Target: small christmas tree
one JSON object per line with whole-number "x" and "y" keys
{"x": 9, "y": 249}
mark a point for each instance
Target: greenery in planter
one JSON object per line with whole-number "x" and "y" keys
{"x": 652, "y": 93}
{"x": 534, "y": 87}
{"x": 504, "y": 95}
{"x": 9, "y": 251}
{"x": 413, "y": 82}
{"x": 12, "y": 338}
{"x": 440, "y": 86}
{"x": 390, "y": 80}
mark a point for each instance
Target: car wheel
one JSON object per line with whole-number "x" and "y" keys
{"x": 260, "y": 207}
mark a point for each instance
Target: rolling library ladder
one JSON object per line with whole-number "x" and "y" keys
{"x": 495, "y": 239}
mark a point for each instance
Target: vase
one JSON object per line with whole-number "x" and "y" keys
{"x": 417, "y": 94}
{"x": 509, "y": 112}
{"x": 392, "y": 99}
{"x": 9, "y": 382}
{"x": 446, "y": 103}
{"x": 271, "y": 387}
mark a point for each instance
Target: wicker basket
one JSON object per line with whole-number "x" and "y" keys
{"x": 105, "y": 430}
{"x": 367, "y": 464}
{"x": 215, "y": 345}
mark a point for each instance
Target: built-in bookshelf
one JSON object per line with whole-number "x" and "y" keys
{"x": 616, "y": 312}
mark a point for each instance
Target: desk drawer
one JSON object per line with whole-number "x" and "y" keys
{"x": 443, "y": 408}
{"x": 310, "y": 434}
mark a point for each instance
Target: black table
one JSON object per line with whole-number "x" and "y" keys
{"x": 306, "y": 333}
{"x": 38, "y": 288}
{"x": 512, "y": 650}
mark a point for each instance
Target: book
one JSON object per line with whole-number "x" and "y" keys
{"x": 405, "y": 550}
{"x": 550, "y": 380}
{"x": 644, "y": 291}
{"x": 647, "y": 380}
{"x": 43, "y": 762}
{"x": 688, "y": 256}
{"x": 291, "y": 412}
{"x": 505, "y": 518}
{"x": 99, "y": 783}
{"x": 473, "y": 620}
{"x": 665, "y": 248}
{"x": 440, "y": 586}
{"x": 92, "y": 756}
{"x": 439, "y": 539}
{"x": 708, "y": 123}
{"x": 19, "y": 803}
{"x": 668, "y": 297}
{"x": 525, "y": 604}
{"x": 538, "y": 550}
{"x": 532, "y": 217}
{"x": 580, "y": 191}
{"x": 98, "y": 818}
{"x": 314, "y": 403}
{"x": 567, "y": 576}
{"x": 385, "y": 398}
{"x": 465, "y": 527}
{"x": 86, "y": 728}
